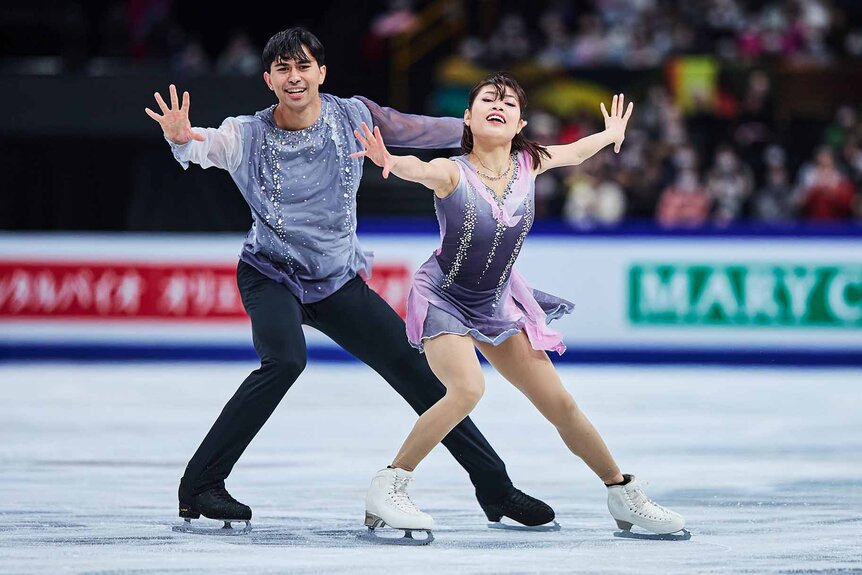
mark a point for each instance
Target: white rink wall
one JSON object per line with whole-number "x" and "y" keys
{"x": 772, "y": 300}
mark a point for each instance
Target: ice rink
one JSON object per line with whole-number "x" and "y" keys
{"x": 765, "y": 464}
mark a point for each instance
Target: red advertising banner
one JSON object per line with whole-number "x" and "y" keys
{"x": 392, "y": 282}
{"x": 131, "y": 290}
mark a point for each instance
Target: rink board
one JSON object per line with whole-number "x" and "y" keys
{"x": 784, "y": 300}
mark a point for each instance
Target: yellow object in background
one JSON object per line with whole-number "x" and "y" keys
{"x": 693, "y": 80}
{"x": 565, "y": 98}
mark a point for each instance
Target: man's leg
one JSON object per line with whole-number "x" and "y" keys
{"x": 358, "y": 320}
{"x": 276, "y": 322}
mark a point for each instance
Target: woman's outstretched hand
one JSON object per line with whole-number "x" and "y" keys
{"x": 175, "y": 120}
{"x": 375, "y": 150}
{"x": 615, "y": 122}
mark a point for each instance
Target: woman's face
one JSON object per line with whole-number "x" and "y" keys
{"x": 493, "y": 119}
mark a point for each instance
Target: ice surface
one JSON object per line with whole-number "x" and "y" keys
{"x": 765, "y": 465}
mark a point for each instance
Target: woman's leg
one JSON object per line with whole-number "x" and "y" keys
{"x": 533, "y": 373}
{"x": 358, "y": 320}
{"x": 453, "y": 360}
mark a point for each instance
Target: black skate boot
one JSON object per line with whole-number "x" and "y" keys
{"x": 533, "y": 514}
{"x": 214, "y": 503}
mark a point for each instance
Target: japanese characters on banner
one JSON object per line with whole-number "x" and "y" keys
{"x": 117, "y": 291}
{"x": 669, "y": 292}
{"x": 139, "y": 291}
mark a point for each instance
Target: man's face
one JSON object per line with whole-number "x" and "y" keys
{"x": 296, "y": 84}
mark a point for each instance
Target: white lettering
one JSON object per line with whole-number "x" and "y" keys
{"x": 661, "y": 296}
{"x": 103, "y": 291}
{"x": 760, "y": 294}
{"x": 836, "y": 296}
{"x": 129, "y": 292}
{"x": 717, "y": 293}
{"x": 16, "y": 291}
{"x": 227, "y": 296}
{"x": 174, "y": 296}
{"x": 202, "y": 289}
{"x": 799, "y": 287}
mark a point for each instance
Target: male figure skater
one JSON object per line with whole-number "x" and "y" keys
{"x": 301, "y": 263}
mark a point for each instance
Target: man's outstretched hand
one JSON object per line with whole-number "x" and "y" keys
{"x": 175, "y": 120}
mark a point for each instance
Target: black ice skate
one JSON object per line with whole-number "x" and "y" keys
{"x": 532, "y": 514}
{"x": 214, "y": 503}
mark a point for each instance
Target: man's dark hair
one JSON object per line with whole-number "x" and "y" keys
{"x": 287, "y": 45}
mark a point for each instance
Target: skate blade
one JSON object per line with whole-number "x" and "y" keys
{"x": 373, "y": 536}
{"x": 389, "y": 537}
{"x": 683, "y": 535}
{"x": 226, "y": 530}
{"x": 547, "y": 527}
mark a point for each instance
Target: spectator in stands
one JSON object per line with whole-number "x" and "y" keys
{"x": 399, "y": 18}
{"x": 685, "y": 203}
{"x": 593, "y": 197}
{"x": 850, "y": 160}
{"x": 510, "y": 43}
{"x": 827, "y": 194}
{"x": 239, "y": 57}
{"x": 843, "y": 126}
{"x": 775, "y": 202}
{"x": 191, "y": 59}
{"x": 544, "y": 127}
{"x": 730, "y": 184}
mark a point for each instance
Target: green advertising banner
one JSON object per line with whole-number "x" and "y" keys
{"x": 753, "y": 294}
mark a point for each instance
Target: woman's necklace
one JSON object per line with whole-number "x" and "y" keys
{"x": 496, "y": 178}
{"x": 501, "y": 199}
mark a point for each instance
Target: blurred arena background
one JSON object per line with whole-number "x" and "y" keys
{"x": 727, "y": 230}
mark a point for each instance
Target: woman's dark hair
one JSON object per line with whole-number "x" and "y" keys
{"x": 500, "y": 81}
{"x": 287, "y": 45}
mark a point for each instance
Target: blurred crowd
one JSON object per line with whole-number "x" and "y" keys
{"x": 118, "y": 37}
{"x": 691, "y": 164}
{"x": 643, "y": 33}
{"x": 682, "y": 164}
{"x": 660, "y": 174}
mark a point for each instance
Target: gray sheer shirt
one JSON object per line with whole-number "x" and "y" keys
{"x": 301, "y": 186}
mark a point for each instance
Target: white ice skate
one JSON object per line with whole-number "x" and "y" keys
{"x": 630, "y": 506}
{"x": 388, "y": 503}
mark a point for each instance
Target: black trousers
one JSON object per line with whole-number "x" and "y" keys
{"x": 361, "y": 322}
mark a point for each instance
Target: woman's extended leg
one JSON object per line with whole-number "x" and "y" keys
{"x": 534, "y": 375}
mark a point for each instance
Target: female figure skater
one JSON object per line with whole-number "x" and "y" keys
{"x": 469, "y": 294}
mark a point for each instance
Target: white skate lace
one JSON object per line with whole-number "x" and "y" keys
{"x": 644, "y": 506}
{"x": 399, "y": 496}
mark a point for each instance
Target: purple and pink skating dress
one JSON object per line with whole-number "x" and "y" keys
{"x": 469, "y": 285}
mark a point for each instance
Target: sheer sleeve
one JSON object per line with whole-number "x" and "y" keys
{"x": 413, "y": 131}
{"x": 222, "y": 147}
